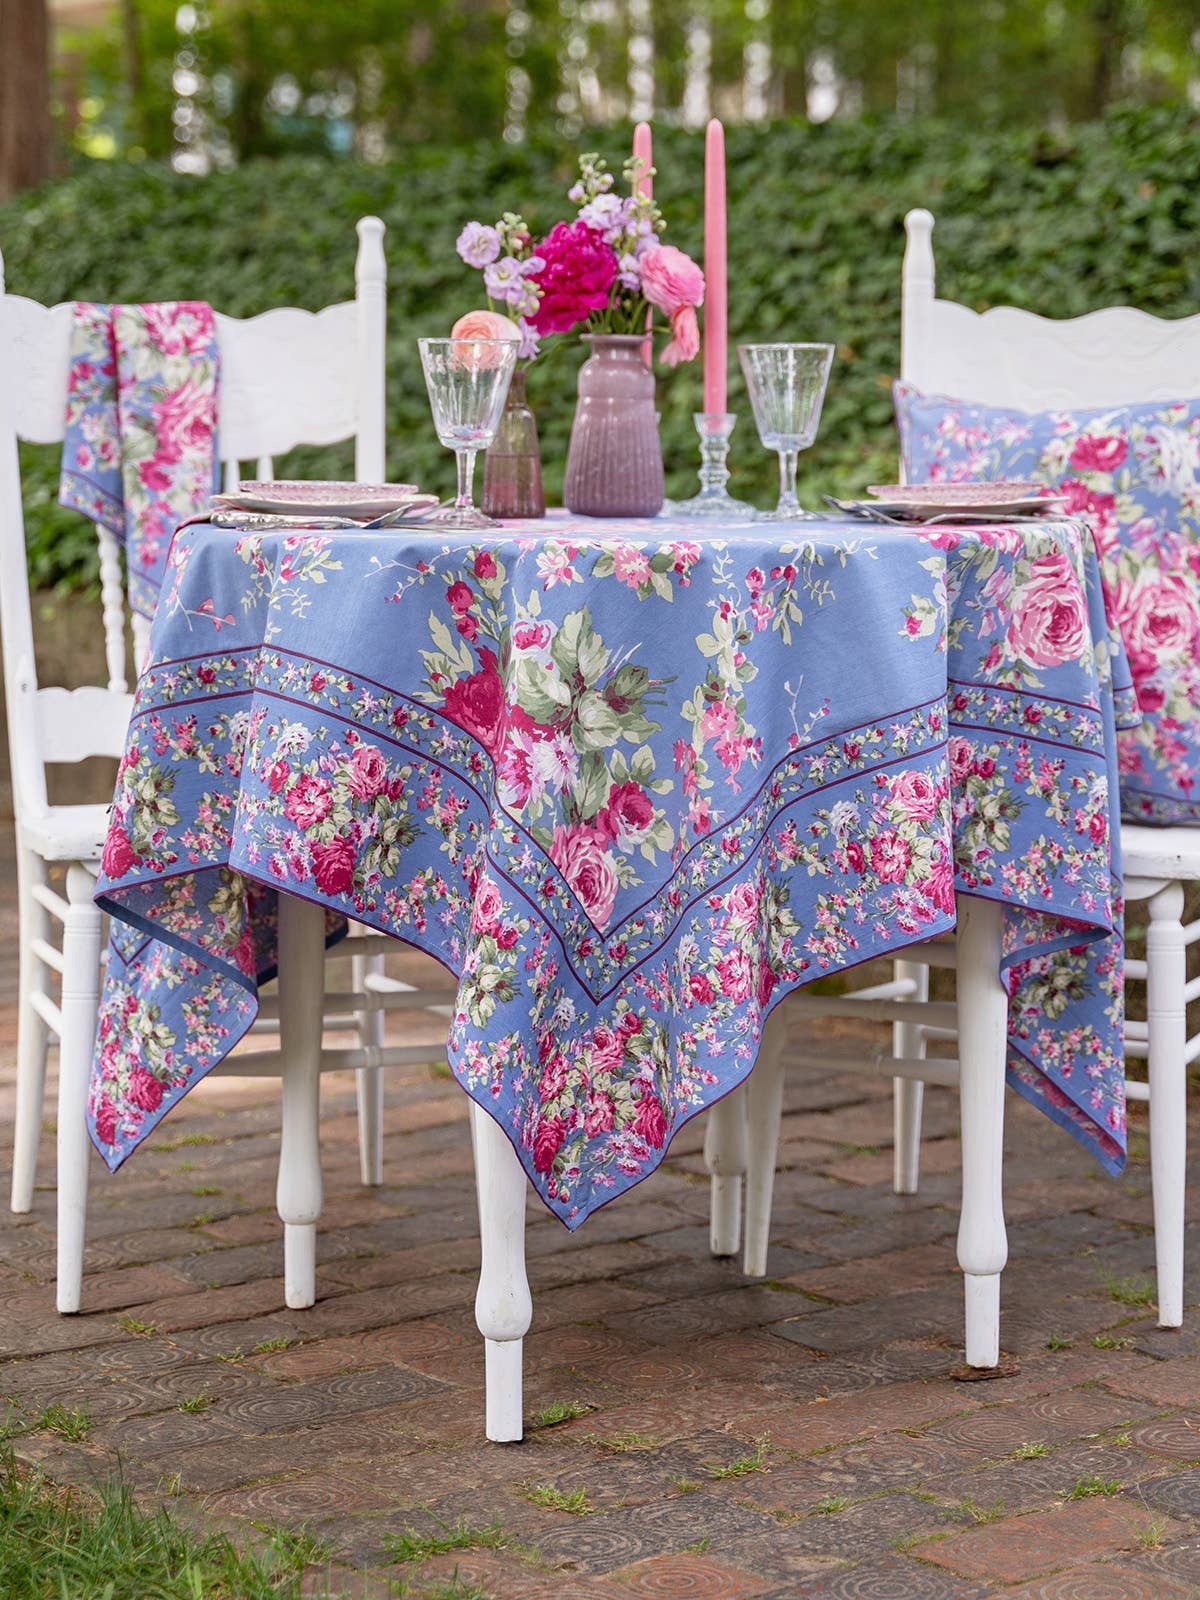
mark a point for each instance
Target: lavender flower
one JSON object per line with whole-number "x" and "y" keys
{"x": 530, "y": 340}
{"x": 505, "y": 280}
{"x": 603, "y": 213}
{"x": 628, "y": 272}
{"x": 478, "y": 245}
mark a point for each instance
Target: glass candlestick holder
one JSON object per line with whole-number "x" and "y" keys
{"x": 714, "y": 500}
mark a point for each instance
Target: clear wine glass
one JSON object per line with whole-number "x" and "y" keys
{"x": 786, "y": 384}
{"x": 467, "y": 381}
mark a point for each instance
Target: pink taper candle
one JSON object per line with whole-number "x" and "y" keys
{"x": 643, "y": 149}
{"x": 715, "y": 302}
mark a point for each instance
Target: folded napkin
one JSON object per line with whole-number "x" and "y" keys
{"x": 140, "y": 448}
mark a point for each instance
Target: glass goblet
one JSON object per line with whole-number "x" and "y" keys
{"x": 467, "y": 381}
{"x": 786, "y": 384}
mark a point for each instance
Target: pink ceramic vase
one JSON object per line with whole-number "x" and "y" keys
{"x": 614, "y": 460}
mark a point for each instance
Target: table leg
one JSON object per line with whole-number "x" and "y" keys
{"x": 725, "y": 1158}
{"x": 503, "y": 1306}
{"x": 80, "y": 1000}
{"x": 764, "y": 1107}
{"x": 983, "y": 1048}
{"x": 301, "y": 999}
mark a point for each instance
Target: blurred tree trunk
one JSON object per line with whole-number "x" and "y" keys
{"x": 26, "y": 147}
{"x": 1111, "y": 32}
{"x": 135, "y": 77}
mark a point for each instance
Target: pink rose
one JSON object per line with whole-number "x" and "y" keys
{"x": 628, "y": 814}
{"x": 1098, "y": 453}
{"x": 554, "y": 1078}
{"x": 485, "y": 564}
{"x": 145, "y": 1090}
{"x": 489, "y": 903}
{"x": 608, "y": 1049}
{"x": 531, "y": 635}
{"x": 735, "y": 976}
{"x": 308, "y": 801}
{"x": 576, "y": 279}
{"x": 1164, "y": 619}
{"x": 588, "y": 868}
{"x": 890, "y": 857}
{"x": 701, "y": 989}
{"x": 367, "y": 774}
{"x": 1049, "y": 624}
{"x": 685, "y": 338}
{"x": 960, "y": 759}
{"x": 916, "y": 795}
{"x": 650, "y": 1122}
{"x": 939, "y": 886}
{"x": 118, "y": 855}
{"x": 483, "y": 325}
{"x": 105, "y": 1117}
{"x": 597, "y": 1114}
{"x": 477, "y": 704}
{"x": 547, "y": 1138}
{"x": 856, "y": 858}
{"x": 670, "y": 279}
{"x": 277, "y": 775}
{"x": 333, "y": 866}
{"x": 460, "y": 597}
{"x": 185, "y": 421}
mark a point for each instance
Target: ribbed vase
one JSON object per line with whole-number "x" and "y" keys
{"x": 614, "y": 460}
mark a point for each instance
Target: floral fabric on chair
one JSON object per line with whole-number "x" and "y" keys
{"x": 140, "y": 448}
{"x": 1134, "y": 474}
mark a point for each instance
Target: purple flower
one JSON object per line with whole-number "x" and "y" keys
{"x": 628, "y": 273}
{"x": 604, "y": 212}
{"x": 530, "y": 340}
{"x": 505, "y": 280}
{"x": 478, "y": 245}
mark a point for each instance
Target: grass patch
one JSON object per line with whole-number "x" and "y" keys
{"x": 57, "y": 1542}
{"x": 1106, "y": 1341}
{"x": 1090, "y": 1485}
{"x": 1130, "y": 1291}
{"x": 574, "y": 1500}
{"x": 974, "y": 1512}
{"x": 267, "y": 1346}
{"x": 142, "y": 1329}
{"x": 831, "y": 1505}
{"x": 628, "y": 1440}
{"x": 1029, "y": 1452}
{"x": 201, "y": 1219}
{"x": 1057, "y": 1342}
{"x": 167, "y": 1145}
{"x": 687, "y": 1485}
{"x": 1151, "y": 1536}
{"x": 73, "y": 1423}
{"x": 413, "y": 1546}
{"x": 560, "y": 1411}
{"x": 202, "y": 1189}
{"x": 196, "y": 1402}
{"x": 745, "y": 1464}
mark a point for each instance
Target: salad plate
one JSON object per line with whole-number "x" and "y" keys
{"x": 321, "y": 497}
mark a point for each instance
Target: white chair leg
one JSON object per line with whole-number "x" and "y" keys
{"x": 908, "y": 1094}
{"x": 725, "y": 1158}
{"x": 80, "y": 1005}
{"x": 298, "y": 1193}
{"x": 369, "y": 1083}
{"x": 764, "y": 1107}
{"x": 503, "y": 1305}
{"x": 983, "y": 1048}
{"x": 1166, "y": 976}
{"x": 31, "y": 1032}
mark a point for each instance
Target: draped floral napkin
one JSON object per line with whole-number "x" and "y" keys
{"x": 140, "y": 447}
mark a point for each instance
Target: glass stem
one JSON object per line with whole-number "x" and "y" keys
{"x": 465, "y": 461}
{"x": 788, "y": 460}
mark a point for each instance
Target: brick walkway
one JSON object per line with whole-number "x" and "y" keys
{"x": 805, "y": 1437}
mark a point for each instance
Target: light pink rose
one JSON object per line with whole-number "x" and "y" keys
{"x": 670, "y": 279}
{"x": 588, "y": 868}
{"x": 916, "y": 795}
{"x": 1164, "y": 620}
{"x": 483, "y": 325}
{"x": 1049, "y": 625}
{"x": 608, "y": 1049}
{"x": 186, "y": 421}
{"x": 308, "y": 801}
{"x": 485, "y": 913}
{"x": 960, "y": 758}
{"x": 367, "y": 774}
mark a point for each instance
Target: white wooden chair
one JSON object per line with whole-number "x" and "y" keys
{"x": 1115, "y": 357}
{"x": 1005, "y": 357}
{"x": 287, "y": 377}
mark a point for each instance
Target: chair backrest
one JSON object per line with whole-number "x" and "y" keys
{"x": 287, "y": 377}
{"x": 1007, "y": 357}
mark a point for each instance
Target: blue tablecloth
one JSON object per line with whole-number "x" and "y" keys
{"x": 632, "y": 783}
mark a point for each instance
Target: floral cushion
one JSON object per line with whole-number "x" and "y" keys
{"x": 1133, "y": 473}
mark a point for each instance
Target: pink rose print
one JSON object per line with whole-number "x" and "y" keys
{"x": 651, "y": 1123}
{"x": 608, "y": 1049}
{"x": 185, "y": 421}
{"x": 333, "y": 866}
{"x": 960, "y": 759}
{"x": 118, "y": 854}
{"x": 890, "y": 856}
{"x": 1164, "y": 618}
{"x": 588, "y": 867}
{"x": 309, "y": 801}
{"x": 531, "y": 635}
{"x": 106, "y": 1121}
{"x": 701, "y": 989}
{"x": 1049, "y": 624}
{"x": 485, "y": 565}
{"x": 476, "y": 703}
{"x": 459, "y": 596}
{"x": 547, "y": 1139}
{"x": 627, "y": 816}
{"x": 489, "y": 903}
{"x": 597, "y": 1114}
{"x": 1098, "y": 453}
{"x": 735, "y": 975}
{"x": 916, "y": 794}
{"x": 368, "y": 772}
{"x": 145, "y": 1090}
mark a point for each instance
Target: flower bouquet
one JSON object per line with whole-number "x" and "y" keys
{"x": 603, "y": 273}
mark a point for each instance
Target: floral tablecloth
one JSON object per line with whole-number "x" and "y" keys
{"x": 632, "y": 784}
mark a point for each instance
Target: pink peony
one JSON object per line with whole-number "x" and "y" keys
{"x": 1098, "y": 453}
{"x": 308, "y": 801}
{"x": 1049, "y": 624}
{"x": 588, "y": 868}
{"x": 576, "y": 278}
{"x": 670, "y": 279}
{"x": 333, "y": 866}
{"x": 367, "y": 775}
{"x": 118, "y": 855}
{"x": 685, "y": 338}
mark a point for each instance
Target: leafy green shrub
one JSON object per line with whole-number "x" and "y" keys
{"x": 1060, "y": 222}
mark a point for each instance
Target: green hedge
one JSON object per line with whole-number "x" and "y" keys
{"x": 1060, "y": 222}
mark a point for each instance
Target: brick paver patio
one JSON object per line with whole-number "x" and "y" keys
{"x": 809, "y": 1436}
